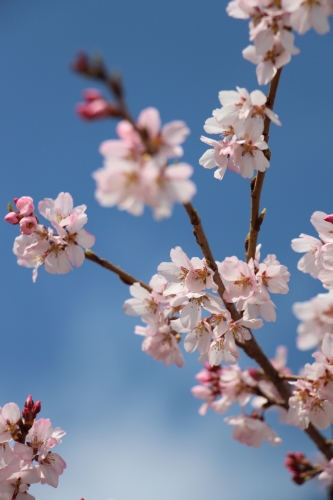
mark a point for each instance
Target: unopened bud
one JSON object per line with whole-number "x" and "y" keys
{"x": 29, "y": 402}
{"x": 254, "y": 373}
{"x": 26, "y": 414}
{"x": 12, "y": 218}
{"x": 37, "y": 407}
{"x": 329, "y": 218}
{"x": 81, "y": 63}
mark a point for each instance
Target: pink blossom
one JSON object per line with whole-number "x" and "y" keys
{"x": 19, "y": 483}
{"x": 316, "y": 317}
{"x": 248, "y": 152}
{"x": 310, "y": 245}
{"x": 239, "y": 278}
{"x": 274, "y": 276}
{"x": 272, "y": 60}
{"x": 307, "y": 14}
{"x": 25, "y": 205}
{"x": 9, "y": 418}
{"x": 163, "y": 346}
{"x": 219, "y": 157}
{"x": 28, "y": 225}
{"x": 51, "y": 467}
{"x": 42, "y": 437}
{"x": 252, "y": 431}
{"x": 60, "y": 209}
{"x": 143, "y": 302}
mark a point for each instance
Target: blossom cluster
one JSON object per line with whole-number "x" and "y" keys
{"x": 136, "y": 171}
{"x": 221, "y": 386}
{"x": 318, "y": 259}
{"x": 271, "y": 23}
{"x": 249, "y": 284}
{"x": 316, "y": 317}
{"x": 26, "y": 451}
{"x": 312, "y": 399}
{"x": 57, "y": 249}
{"x": 179, "y": 303}
{"x": 241, "y": 122}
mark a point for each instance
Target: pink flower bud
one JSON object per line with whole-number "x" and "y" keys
{"x": 329, "y": 218}
{"x": 37, "y": 407}
{"x": 29, "y": 402}
{"x": 92, "y": 95}
{"x": 81, "y": 63}
{"x": 26, "y": 414}
{"x": 28, "y": 225}
{"x": 25, "y": 205}
{"x": 92, "y": 110}
{"x": 12, "y": 218}
{"x": 254, "y": 373}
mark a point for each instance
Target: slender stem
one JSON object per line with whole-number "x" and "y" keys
{"x": 258, "y": 181}
{"x": 126, "y": 278}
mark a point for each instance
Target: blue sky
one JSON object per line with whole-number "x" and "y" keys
{"x": 133, "y": 432}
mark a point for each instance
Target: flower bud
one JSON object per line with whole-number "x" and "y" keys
{"x": 25, "y": 205}
{"x": 29, "y": 402}
{"x": 26, "y": 414}
{"x": 37, "y": 407}
{"x": 81, "y": 63}
{"x": 12, "y": 218}
{"x": 329, "y": 218}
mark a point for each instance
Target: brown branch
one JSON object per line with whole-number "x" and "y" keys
{"x": 258, "y": 181}
{"x": 126, "y": 278}
{"x": 251, "y": 347}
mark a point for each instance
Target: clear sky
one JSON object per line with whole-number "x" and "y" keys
{"x": 133, "y": 431}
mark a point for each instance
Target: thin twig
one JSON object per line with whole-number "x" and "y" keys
{"x": 126, "y": 278}
{"x": 257, "y": 183}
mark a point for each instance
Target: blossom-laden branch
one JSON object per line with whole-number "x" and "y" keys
{"x": 162, "y": 341}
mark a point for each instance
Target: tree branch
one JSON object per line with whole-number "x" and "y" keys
{"x": 258, "y": 181}
{"x": 126, "y": 278}
{"x": 251, "y": 347}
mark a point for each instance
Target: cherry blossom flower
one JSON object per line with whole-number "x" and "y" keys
{"x": 60, "y": 209}
{"x": 316, "y": 317}
{"x": 252, "y": 431}
{"x": 248, "y": 152}
{"x": 39, "y": 246}
{"x": 51, "y": 467}
{"x": 310, "y": 245}
{"x": 308, "y": 14}
{"x": 163, "y": 346}
{"x": 272, "y": 60}
{"x": 238, "y": 277}
{"x": 9, "y": 418}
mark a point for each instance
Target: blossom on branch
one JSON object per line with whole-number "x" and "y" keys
{"x": 56, "y": 251}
